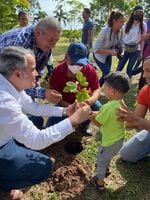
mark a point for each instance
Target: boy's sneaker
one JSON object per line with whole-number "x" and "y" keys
{"x": 89, "y": 131}
{"x": 86, "y": 130}
{"x": 103, "y": 94}
{"x": 100, "y": 188}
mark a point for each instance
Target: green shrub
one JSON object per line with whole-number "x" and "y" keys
{"x": 72, "y": 35}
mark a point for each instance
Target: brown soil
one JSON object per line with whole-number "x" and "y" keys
{"x": 70, "y": 174}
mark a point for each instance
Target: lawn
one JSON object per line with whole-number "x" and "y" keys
{"x": 127, "y": 181}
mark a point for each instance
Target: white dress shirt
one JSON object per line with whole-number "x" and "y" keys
{"x": 15, "y": 124}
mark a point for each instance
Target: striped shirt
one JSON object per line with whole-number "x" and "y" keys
{"x": 25, "y": 37}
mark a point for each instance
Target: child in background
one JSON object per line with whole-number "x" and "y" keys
{"x": 116, "y": 85}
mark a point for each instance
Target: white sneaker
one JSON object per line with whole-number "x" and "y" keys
{"x": 103, "y": 94}
{"x": 89, "y": 131}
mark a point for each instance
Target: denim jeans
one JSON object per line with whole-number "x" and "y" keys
{"x": 137, "y": 147}
{"x": 22, "y": 167}
{"x": 37, "y": 121}
{"x": 132, "y": 58}
{"x": 104, "y": 67}
{"x": 54, "y": 120}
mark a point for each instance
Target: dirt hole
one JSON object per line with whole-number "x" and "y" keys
{"x": 74, "y": 147}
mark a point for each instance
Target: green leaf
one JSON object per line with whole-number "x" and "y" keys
{"x": 77, "y": 87}
{"x": 85, "y": 94}
{"x": 71, "y": 83}
{"x": 79, "y": 97}
{"x": 82, "y": 96}
{"x": 82, "y": 79}
{"x": 66, "y": 89}
{"x": 70, "y": 87}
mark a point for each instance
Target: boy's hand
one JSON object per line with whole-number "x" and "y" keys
{"x": 80, "y": 115}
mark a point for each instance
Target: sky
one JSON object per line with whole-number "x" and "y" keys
{"x": 49, "y": 5}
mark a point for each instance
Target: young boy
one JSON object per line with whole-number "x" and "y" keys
{"x": 116, "y": 85}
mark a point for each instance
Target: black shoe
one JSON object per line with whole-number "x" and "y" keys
{"x": 86, "y": 130}
{"x": 100, "y": 188}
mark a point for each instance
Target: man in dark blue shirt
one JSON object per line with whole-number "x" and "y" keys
{"x": 87, "y": 30}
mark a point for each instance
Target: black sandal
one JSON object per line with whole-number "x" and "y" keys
{"x": 98, "y": 187}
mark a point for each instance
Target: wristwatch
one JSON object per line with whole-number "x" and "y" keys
{"x": 64, "y": 112}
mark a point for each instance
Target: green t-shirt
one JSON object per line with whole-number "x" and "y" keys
{"x": 111, "y": 128}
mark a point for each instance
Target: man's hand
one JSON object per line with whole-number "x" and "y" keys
{"x": 53, "y": 96}
{"x": 80, "y": 115}
{"x": 75, "y": 106}
{"x": 125, "y": 114}
{"x": 71, "y": 109}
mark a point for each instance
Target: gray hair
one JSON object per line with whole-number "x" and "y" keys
{"x": 12, "y": 58}
{"x": 48, "y": 23}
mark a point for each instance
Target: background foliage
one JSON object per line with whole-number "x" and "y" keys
{"x": 8, "y": 12}
{"x": 67, "y": 11}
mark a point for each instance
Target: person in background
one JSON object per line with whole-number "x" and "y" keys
{"x": 40, "y": 38}
{"x": 133, "y": 31}
{"x": 49, "y": 68}
{"x": 146, "y": 53}
{"x": 22, "y": 19}
{"x": 138, "y": 146}
{"x": 87, "y": 30}
{"x": 21, "y": 165}
{"x": 148, "y": 22}
{"x": 75, "y": 60}
{"x": 116, "y": 85}
{"x": 109, "y": 43}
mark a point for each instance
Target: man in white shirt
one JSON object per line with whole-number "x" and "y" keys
{"x": 20, "y": 165}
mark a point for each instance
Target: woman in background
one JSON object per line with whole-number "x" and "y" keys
{"x": 133, "y": 30}
{"x": 109, "y": 43}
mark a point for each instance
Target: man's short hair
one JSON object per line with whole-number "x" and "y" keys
{"x": 13, "y": 58}
{"x": 87, "y": 10}
{"x": 48, "y": 23}
{"x": 21, "y": 12}
{"x": 119, "y": 81}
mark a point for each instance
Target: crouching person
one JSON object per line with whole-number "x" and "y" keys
{"x": 20, "y": 164}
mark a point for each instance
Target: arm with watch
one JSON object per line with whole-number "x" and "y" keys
{"x": 69, "y": 110}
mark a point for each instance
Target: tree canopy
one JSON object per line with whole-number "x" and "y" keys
{"x": 8, "y": 12}
{"x": 66, "y": 11}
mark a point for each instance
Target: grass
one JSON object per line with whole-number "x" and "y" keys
{"x": 127, "y": 182}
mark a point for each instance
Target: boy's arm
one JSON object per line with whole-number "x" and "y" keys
{"x": 92, "y": 119}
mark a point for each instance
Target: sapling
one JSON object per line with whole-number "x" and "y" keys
{"x": 79, "y": 87}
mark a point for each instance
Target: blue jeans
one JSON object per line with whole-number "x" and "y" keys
{"x": 37, "y": 121}
{"x": 104, "y": 67}
{"x": 137, "y": 147}
{"x": 132, "y": 57}
{"x": 54, "y": 120}
{"x": 22, "y": 167}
